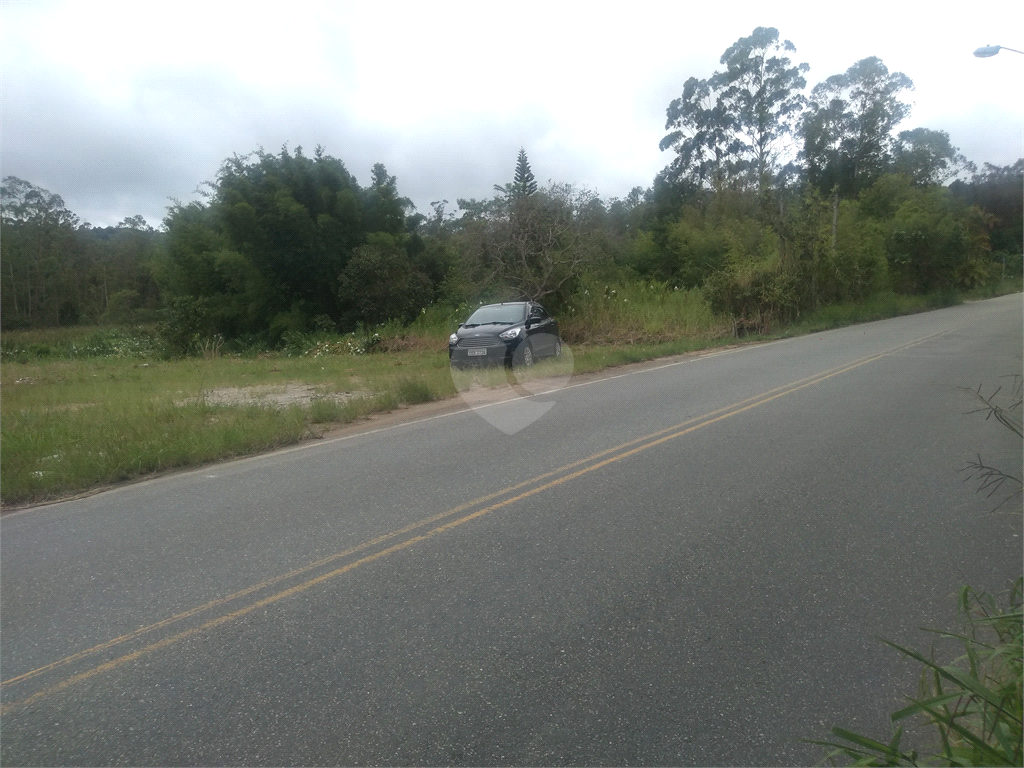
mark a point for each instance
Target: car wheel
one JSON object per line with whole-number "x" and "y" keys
{"x": 527, "y": 355}
{"x": 558, "y": 347}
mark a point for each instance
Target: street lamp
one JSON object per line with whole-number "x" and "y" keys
{"x": 991, "y": 50}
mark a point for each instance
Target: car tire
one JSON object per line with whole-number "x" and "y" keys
{"x": 558, "y": 348}
{"x": 527, "y": 361}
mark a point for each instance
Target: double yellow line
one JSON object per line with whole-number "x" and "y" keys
{"x": 443, "y": 522}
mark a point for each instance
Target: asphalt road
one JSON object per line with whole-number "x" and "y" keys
{"x": 687, "y": 564}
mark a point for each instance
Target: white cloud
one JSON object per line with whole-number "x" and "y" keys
{"x": 119, "y": 106}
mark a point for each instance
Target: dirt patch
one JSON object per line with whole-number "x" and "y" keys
{"x": 276, "y": 396}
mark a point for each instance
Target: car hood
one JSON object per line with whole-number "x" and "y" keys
{"x": 484, "y": 330}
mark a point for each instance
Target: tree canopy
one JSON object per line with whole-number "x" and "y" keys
{"x": 273, "y": 242}
{"x": 731, "y": 129}
{"x": 848, "y": 127}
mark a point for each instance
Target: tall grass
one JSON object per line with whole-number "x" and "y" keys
{"x": 78, "y": 343}
{"x": 640, "y": 312}
{"x": 878, "y": 307}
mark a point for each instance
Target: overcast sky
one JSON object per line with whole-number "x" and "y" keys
{"x": 118, "y": 107}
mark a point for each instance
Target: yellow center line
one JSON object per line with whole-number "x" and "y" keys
{"x": 368, "y": 544}
{"x": 620, "y": 452}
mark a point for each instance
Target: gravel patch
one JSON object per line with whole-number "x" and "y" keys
{"x": 277, "y": 396}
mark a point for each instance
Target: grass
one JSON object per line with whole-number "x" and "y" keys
{"x": 644, "y": 312}
{"x": 889, "y": 304}
{"x": 71, "y": 425}
{"x": 86, "y": 407}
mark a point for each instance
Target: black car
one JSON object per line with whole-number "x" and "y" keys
{"x": 514, "y": 333}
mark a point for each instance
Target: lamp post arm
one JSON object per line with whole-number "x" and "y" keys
{"x": 991, "y": 50}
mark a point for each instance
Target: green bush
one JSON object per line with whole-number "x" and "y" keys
{"x": 185, "y": 319}
{"x": 758, "y": 298}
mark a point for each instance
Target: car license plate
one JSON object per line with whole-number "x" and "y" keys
{"x": 476, "y": 352}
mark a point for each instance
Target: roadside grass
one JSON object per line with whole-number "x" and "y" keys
{"x": 888, "y": 304}
{"x": 54, "y": 452}
{"x": 88, "y": 407}
{"x": 878, "y": 307}
{"x": 991, "y": 290}
{"x": 970, "y": 707}
{"x": 643, "y": 312}
{"x": 78, "y": 342}
{"x": 67, "y": 426}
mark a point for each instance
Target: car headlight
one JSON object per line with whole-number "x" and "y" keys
{"x": 453, "y": 339}
{"x": 511, "y": 333}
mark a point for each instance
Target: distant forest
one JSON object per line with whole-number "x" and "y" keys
{"x": 776, "y": 200}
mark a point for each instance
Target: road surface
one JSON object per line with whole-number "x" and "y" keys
{"x": 688, "y": 563}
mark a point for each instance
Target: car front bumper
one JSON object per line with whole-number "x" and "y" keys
{"x": 495, "y": 354}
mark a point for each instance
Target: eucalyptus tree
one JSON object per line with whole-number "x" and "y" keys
{"x": 848, "y": 126}
{"x": 928, "y": 157}
{"x": 733, "y": 129}
{"x": 40, "y": 283}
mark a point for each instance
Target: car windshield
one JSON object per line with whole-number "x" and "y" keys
{"x": 498, "y": 313}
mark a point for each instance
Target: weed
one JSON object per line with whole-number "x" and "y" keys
{"x": 878, "y": 307}
{"x": 323, "y": 410}
{"x": 413, "y": 389}
{"x": 78, "y": 344}
{"x": 973, "y": 704}
{"x": 639, "y": 312}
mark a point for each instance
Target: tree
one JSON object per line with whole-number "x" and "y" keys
{"x": 383, "y": 209}
{"x": 534, "y": 247}
{"x": 928, "y": 157}
{"x": 928, "y": 234}
{"x": 731, "y": 129}
{"x": 999, "y": 191}
{"x": 525, "y": 183}
{"x": 847, "y": 129}
{"x": 37, "y": 252}
{"x": 135, "y": 222}
{"x": 116, "y": 271}
{"x": 380, "y": 283}
{"x": 272, "y": 243}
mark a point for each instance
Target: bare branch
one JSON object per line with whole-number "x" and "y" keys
{"x": 992, "y": 479}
